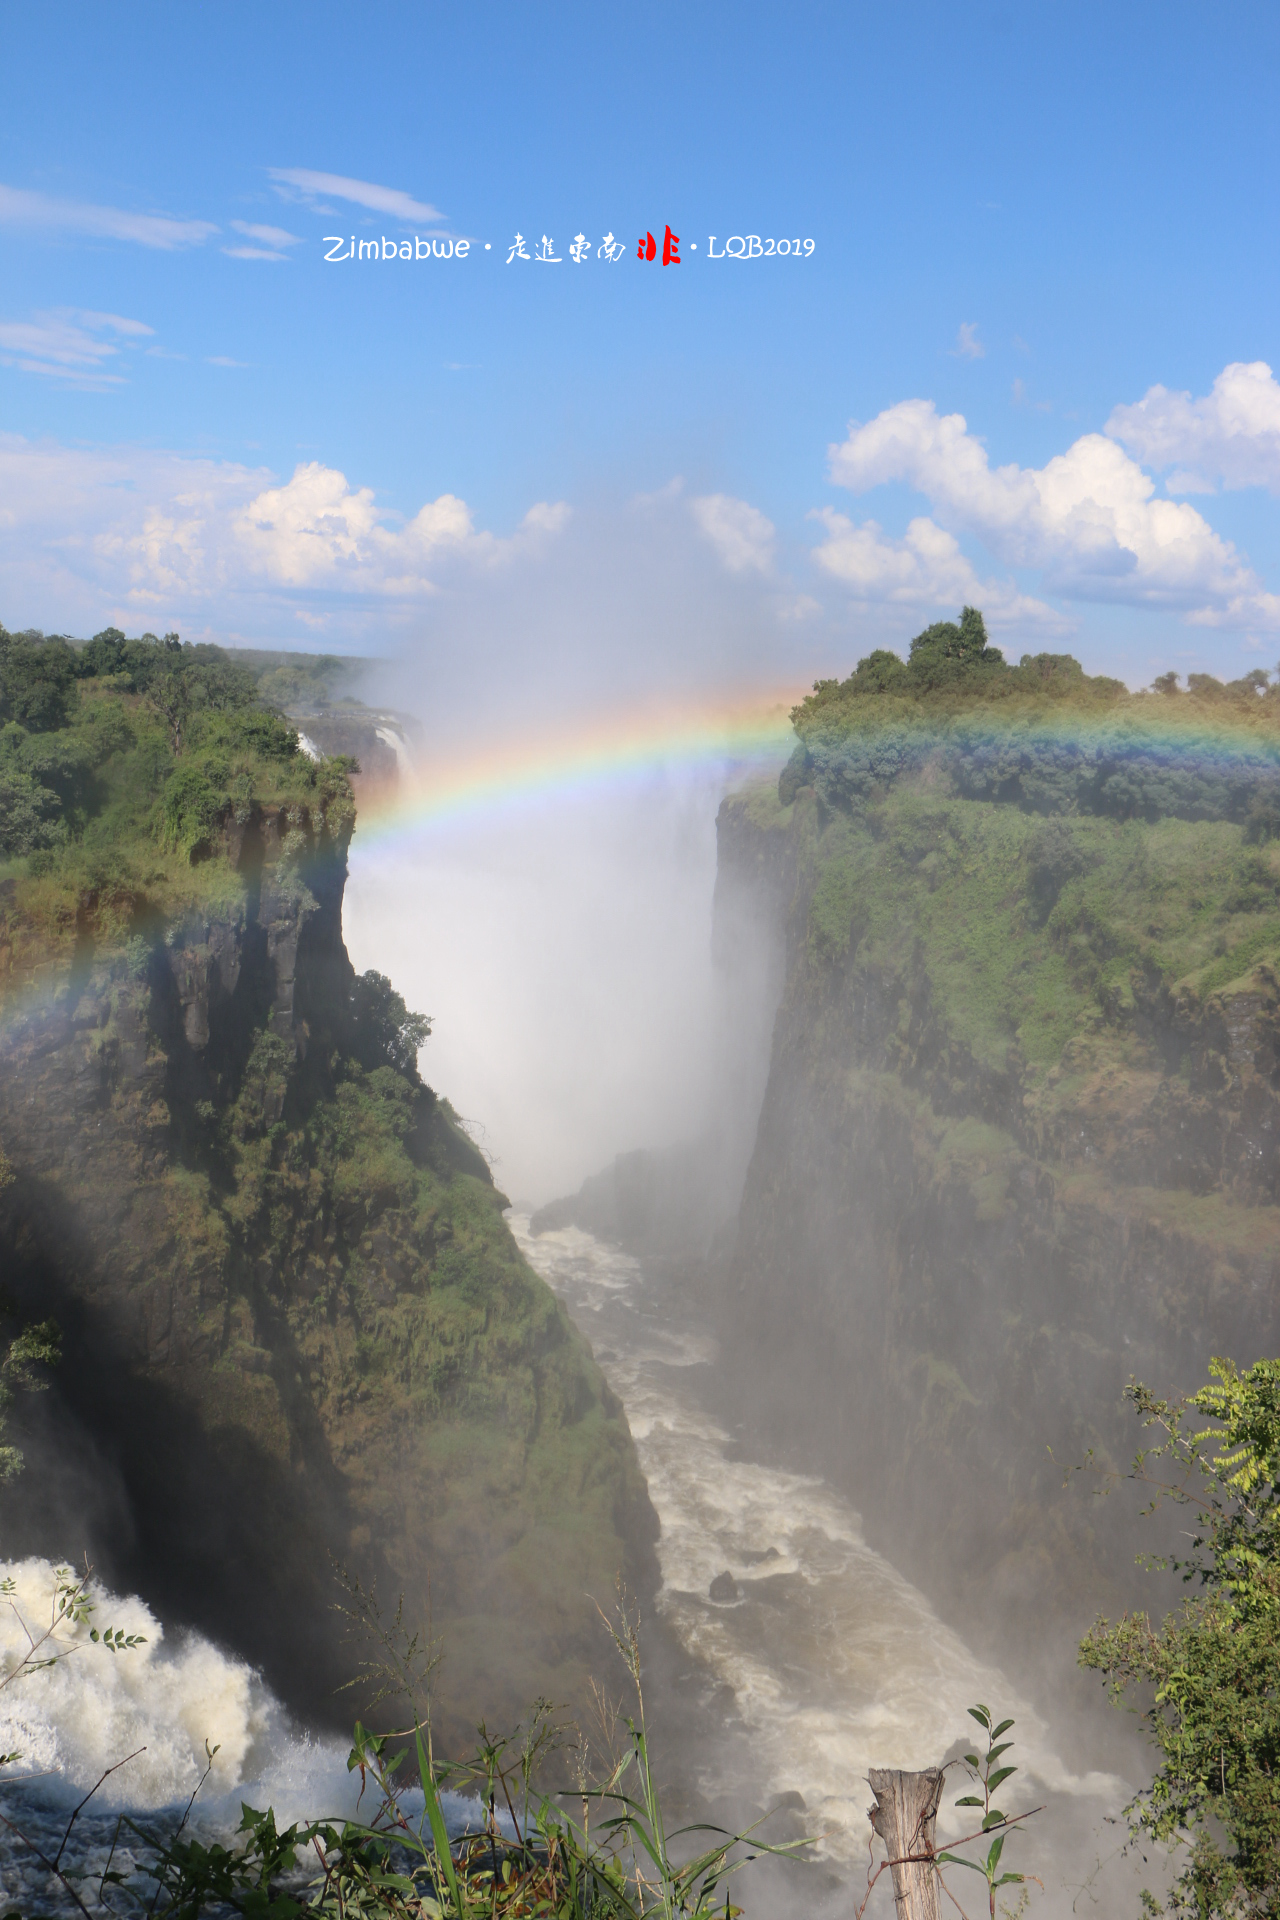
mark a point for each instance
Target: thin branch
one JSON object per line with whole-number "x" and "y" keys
{"x": 45, "y": 1861}
{"x": 88, "y": 1797}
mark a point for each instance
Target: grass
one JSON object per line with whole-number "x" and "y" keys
{"x": 939, "y": 887}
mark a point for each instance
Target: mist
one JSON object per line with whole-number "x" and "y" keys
{"x": 563, "y": 952}
{"x": 562, "y": 944}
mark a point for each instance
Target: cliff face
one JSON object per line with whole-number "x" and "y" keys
{"x": 297, "y": 1328}
{"x": 997, "y": 1173}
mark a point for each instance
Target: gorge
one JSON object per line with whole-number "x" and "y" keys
{"x": 1000, "y": 945}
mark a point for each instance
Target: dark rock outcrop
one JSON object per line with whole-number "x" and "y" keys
{"x": 297, "y": 1330}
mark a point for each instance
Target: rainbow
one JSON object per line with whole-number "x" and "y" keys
{"x": 603, "y": 752}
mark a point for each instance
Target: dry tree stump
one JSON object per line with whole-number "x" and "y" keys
{"x": 903, "y": 1816}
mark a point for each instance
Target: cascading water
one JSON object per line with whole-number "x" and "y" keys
{"x": 173, "y": 1711}
{"x": 835, "y": 1662}
{"x": 819, "y": 1658}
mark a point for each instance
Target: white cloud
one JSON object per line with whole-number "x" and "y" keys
{"x": 925, "y": 569}
{"x": 268, "y": 242}
{"x": 662, "y": 496}
{"x": 44, "y": 214}
{"x": 968, "y": 346}
{"x": 1021, "y": 398}
{"x": 142, "y": 535}
{"x": 740, "y": 534}
{"x": 223, "y": 360}
{"x": 70, "y": 344}
{"x": 1087, "y": 520}
{"x": 269, "y": 236}
{"x": 317, "y": 531}
{"x": 1231, "y": 436}
{"x": 303, "y": 184}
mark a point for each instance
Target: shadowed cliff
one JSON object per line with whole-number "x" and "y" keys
{"x": 297, "y": 1330}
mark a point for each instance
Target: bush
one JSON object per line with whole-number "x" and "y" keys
{"x": 191, "y": 809}
{"x": 1210, "y": 1670}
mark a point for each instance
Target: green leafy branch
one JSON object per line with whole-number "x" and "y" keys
{"x": 1206, "y": 1673}
{"x": 71, "y": 1610}
{"x": 991, "y": 1775}
{"x": 35, "y": 1346}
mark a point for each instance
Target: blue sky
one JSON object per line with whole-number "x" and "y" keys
{"x": 570, "y": 471}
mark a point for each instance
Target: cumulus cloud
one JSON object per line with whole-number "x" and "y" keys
{"x": 926, "y": 568}
{"x": 301, "y": 183}
{"x": 1087, "y": 521}
{"x": 45, "y": 214}
{"x": 739, "y": 533}
{"x": 71, "y": 344}
{"x": 1230, "y": 437}
{"x": 159, "y": 533}
{"x": 317, "y": 531}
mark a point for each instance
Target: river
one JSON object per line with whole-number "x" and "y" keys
{"x": 818, "y": 1662}
{"x": 826, "y": 1661}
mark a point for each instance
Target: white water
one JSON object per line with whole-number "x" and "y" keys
{"x": 836, "y": 1663}
{"x": 161, "y": 1703}
{"x": 393, "y": 738}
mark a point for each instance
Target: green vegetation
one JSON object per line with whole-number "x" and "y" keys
{"x": 365, "y": 1365}
{"x": 27, "y": 1352}
{"x": 990, "y": 1771}
{"x": 120, "y": 763}
{"x": 1049, "y": 852}
{"x": 1209, "y": 1674}
{"x": 1027, "y": 929}
{"x": 1044, "y": 735}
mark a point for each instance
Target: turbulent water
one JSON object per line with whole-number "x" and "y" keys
{"x": 821, "y": 1662}
{"x": 162, "y": 1709}
{"x": 827, "y": 1662}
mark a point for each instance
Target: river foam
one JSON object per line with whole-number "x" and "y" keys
{"x": 835, "y": 1662}
{"x": 190, "y": 1715}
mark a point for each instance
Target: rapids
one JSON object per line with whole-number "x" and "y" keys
{"x": 827, "y": 1662}
{"x": 171, "y": 1710}
{"x": 823, "y": 1662}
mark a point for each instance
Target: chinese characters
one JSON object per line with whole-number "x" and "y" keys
{"x": 609, "y": 250}
{"x": 648, "y": 247}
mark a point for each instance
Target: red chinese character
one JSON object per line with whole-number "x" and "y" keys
{"x": 670, "y": 258}
{"x": 646, "y": 251}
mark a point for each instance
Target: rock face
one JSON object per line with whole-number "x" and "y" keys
{"x": 297, "y": 1330}
{"x": 953, "y": 1257}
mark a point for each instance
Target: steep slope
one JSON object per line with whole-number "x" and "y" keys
{"x": 298, "y": 1331}
{"x": 1021, "y": 1133}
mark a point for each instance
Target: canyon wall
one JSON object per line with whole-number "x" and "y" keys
{"x": 298, "y": 1335}
{"x": 1010, "y": 1155}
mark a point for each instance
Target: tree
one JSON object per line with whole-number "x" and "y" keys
{"x": 387, "y": 1033}
{"x": 1210, "y": 1672}
{"x": 35, "y": 680}
{"x": 946, "y": 653}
